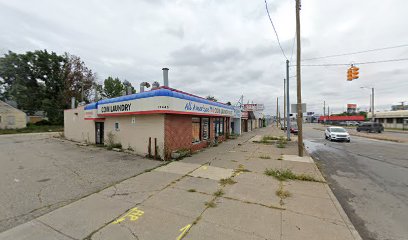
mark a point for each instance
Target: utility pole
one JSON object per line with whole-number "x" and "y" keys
{"x": 372, "y": 105}
{"x": 299, "y": 83}
{"x": 324, "y": 108}
{"x": 287, "y": 102}
{"x": 284, "y": 104}
{"x": 328, "y": 110}
{"x": 277, "y": 110}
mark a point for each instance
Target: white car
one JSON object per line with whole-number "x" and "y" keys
{"x": 336, "y": 134}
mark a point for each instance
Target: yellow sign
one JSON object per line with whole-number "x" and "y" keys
{"x": 133, "y": 214}
{"x": 183, "y": 231}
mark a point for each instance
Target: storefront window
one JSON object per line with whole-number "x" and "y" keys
{"x": 219, "y": 126}
{"x": 196, "y": 130}
{"x": 205, "y": 126}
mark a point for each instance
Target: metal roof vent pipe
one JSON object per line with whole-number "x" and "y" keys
{"x": 143, "y": 85}
{"x": 166, "y": 77}
{"x": 155, "y": 85}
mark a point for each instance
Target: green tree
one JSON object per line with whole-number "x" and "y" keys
{"x": 46, "y": 81}
{"x": 211, "y": 98}
{"x": 21, "y": 80}
{"x": 112, "y": 88}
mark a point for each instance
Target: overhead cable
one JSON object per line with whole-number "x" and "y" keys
{"x": 276, "y": 33}
{"x": 353, "y": 53}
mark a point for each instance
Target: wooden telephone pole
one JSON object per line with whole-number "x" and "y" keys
{"x": 299, "y": 83}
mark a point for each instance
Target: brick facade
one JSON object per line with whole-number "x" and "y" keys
{"x": 178, "y": 133}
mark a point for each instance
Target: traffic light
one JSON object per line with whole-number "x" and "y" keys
{"x": 355, "y": 72}
{"x": 350, "y": 74}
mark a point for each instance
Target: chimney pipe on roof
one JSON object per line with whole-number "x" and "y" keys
{"x": 144, "y": 84}
{"x": 165, "y": 77}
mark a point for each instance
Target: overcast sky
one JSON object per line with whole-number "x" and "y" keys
{"x": 224, "y": 48}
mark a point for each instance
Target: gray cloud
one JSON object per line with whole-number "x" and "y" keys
{"x": 222, "y": 48}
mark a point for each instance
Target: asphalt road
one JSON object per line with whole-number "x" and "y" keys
{"x": 369, "y": 178}
{"x": 39, "y": 173}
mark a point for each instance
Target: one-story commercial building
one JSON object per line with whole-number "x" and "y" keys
{"x": 392, "y": 119}
{"x": 252, "y": 117}
{"x": 157, "y": 123}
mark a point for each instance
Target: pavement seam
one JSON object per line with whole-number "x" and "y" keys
{"x": 138, "y": 204}
{"x": 56, "y": 230}
{"x": 331, "y": 220}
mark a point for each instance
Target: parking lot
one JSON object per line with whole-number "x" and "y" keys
{"x": 41, "y": 172}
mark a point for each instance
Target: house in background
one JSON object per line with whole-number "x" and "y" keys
{"x": 11, "y": 117}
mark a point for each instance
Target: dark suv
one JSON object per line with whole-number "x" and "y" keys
{"x": 370, "y": 127}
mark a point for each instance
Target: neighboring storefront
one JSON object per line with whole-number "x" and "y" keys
{"x": 252, "y": 117}
{"x": 236, "y": 121}
{"x": 157, "y": 122}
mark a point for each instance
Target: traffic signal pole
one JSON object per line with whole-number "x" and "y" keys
{"x": 299, "y": 83}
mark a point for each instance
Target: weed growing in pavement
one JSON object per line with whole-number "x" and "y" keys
{"x": 227, "y": 181}
{"x": 266, "y": 138}
{"x": 283, "y": 193}
{"x": 210, "y": 204}
{"x": 191, "y": 190}
{"x": 265, "y": 157}
{"x": 197, "y": 219}
{"x": 280, "y": 145}
{"x": 218, "y": 193}
{"x": 240, "y": 169}
{"x": 280, "y": 158}
{"x": 286, "y": 174}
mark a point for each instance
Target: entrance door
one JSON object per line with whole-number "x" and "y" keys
{"x": 99, "y": 127}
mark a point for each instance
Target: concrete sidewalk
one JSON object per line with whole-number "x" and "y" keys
{"x": 220, "y": 193}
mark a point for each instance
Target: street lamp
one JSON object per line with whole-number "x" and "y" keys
{"x": 372, "y": 102}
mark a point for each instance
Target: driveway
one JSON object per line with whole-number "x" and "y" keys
{"x": 39, "y": 173}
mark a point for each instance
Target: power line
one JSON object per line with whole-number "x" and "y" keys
{"x": 276, "y": 33}
{"x": 353, "y": 53}
{"x": 293, "y": 47}
{"x": 355, "y": 63}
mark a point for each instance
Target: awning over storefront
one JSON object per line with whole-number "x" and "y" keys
{"x": 251, "y": 115}
{"x": 162, "y": 100}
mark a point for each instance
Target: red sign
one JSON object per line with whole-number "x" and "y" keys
{"x": 244, "y": 115}
{"x": 353, "y": 106}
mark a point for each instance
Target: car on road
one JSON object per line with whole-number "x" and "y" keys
{"x": 370, "y": 127}
{"x": 294, "y": 129}
{"x": 336, "y": 134}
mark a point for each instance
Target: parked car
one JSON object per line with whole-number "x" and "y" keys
{"x": 336, "y": 134}
{"x": 342, "y": 124}
{"x": 370, "y": 127}
{"x": 352, "y": 123}
{"x": 294, "y": 129}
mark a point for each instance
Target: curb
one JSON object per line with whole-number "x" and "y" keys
{"x": 343, "y": 214}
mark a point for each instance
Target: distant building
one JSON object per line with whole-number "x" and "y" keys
{"x": 392, "y": 119}
{"x": 399, "y": 107}
{"x": 11, "y": 117}
{"x": 336, "y": 119}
